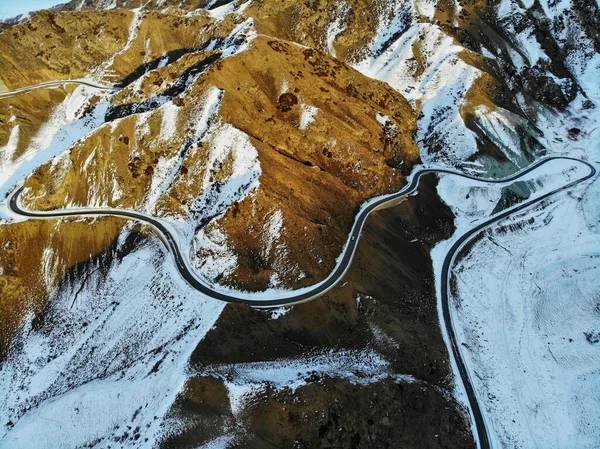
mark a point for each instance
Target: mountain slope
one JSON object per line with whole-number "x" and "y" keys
{"x": 256, "y": 129}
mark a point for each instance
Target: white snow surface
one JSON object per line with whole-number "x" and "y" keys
{"x": 279, "y": 312}
{"x": 308, "y": 115}
{"x": 272, "y": 231}
{"x": 170, "y": 118}
{"x": 222, "y": 442}
{"x": 527, "y": 303}
{"x": 111, "y": 353}
{"x": 243, "y": 380}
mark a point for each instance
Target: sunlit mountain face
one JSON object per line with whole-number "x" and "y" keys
{"x": 316, "y": 224}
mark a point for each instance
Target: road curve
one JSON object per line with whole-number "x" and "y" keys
{"x": 50, "y": 84}
{"x": 343, "y": 263}
{"x": 478, "y": 419}
{"x": 187, "y": 272}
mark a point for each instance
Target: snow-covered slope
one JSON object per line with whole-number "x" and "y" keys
{"x": 527, "y": 314}
{"x": 526, "y": 294}
{"x": 109, "y": 357}
{"x": 526, "y": 307}
{"x": 493, "y": 86}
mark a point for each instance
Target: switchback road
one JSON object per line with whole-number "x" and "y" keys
{"x": 169, "y": 238}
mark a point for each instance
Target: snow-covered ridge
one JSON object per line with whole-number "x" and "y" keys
{"x": 93, "y": 368}
{"x": 246, "y": 379}
{"x": 437, "y": 85}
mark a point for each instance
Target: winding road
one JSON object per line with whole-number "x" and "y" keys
{"x": 169, "y": 238}
{"x": 50, "y": 84}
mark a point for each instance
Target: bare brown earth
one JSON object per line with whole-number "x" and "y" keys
{"x": 53, "y": 46}
{"x": 317, "y": 177}
{"x": 474, "y": 26}
{"x": 387, "y": 303}
{"x": 310, "y": 183}
{"x": 345, "y": 154}
{"x": 66, "y": 45}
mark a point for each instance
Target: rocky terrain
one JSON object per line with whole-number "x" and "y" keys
{"x": 256, "y": 130}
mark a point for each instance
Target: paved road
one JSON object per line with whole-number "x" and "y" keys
{"x": 169, "y": 237}
{"x": 49, "y": 84}
{"x": 478, "y": 418}
{"x": 187, "y": 272}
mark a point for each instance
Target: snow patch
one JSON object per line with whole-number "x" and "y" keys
{"x": 220, "y": 12}
{"x": 279, "y": 312}
{"x": 170, "y": 117}
{"x": 7, "y": 152}
{"x": 244, "y": 380}
{"x": 308, "y": 114}
{"x": 214, "y": 257}
{"x": 272, "y": 231}
{"x": 337, "y": 27}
